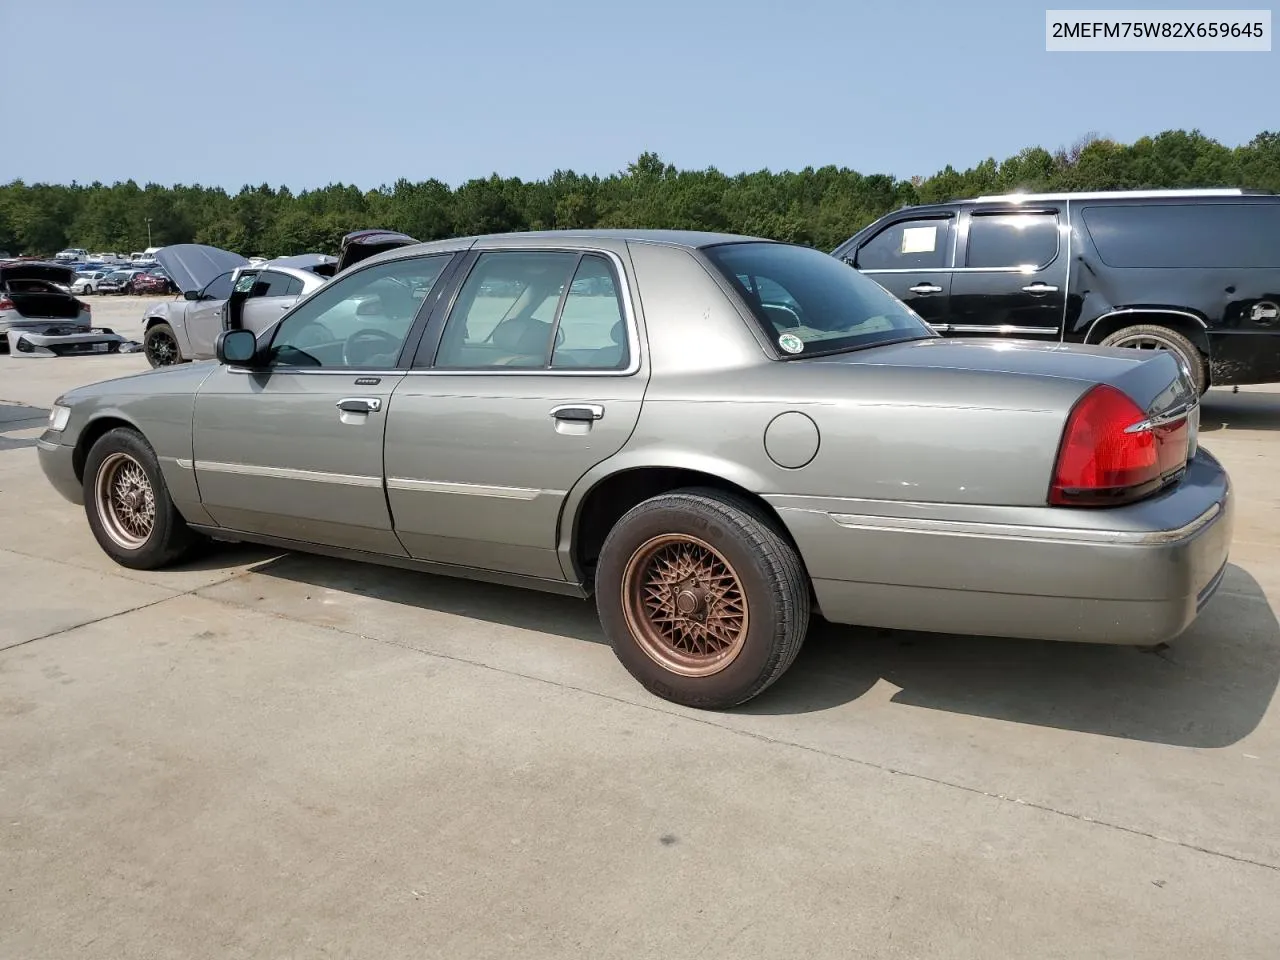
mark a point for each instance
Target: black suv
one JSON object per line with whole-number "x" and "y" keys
{"x": 1196, "y": 272}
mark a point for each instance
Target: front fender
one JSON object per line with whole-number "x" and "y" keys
{"x": 174, "y": 313}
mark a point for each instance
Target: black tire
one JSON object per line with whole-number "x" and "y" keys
{"x": 168, "y": 539}
{"x": 1167, "y": 339}
{"x": 773, "y": 587}
{"x": 160, "y": 345}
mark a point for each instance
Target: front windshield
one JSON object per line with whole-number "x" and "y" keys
{"x": 809, "y": 303}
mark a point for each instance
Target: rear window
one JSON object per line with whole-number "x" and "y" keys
{"x": 1186, "y": 235}
{"x": 808, "y": 302}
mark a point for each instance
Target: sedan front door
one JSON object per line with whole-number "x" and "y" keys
{"x": 292, "y": 447}
{"x": 534, "y": 378}
{"x": 204, "y": 316}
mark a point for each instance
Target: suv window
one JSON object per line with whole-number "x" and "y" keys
{"x": 506, "y": 311}
{"x": 907, "y": 245}
{"x": 361, "y": 320}
{"x": 821, "y": 305}
{"x": 1186, "y": 235}
{"x": 1012, "y": 240}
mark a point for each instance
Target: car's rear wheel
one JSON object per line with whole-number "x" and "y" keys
{"x": 702, "y": 600}
{"x": 128, "y": 505}
{"x": 1145, "y": 336}
{"x": 161, "y": 345}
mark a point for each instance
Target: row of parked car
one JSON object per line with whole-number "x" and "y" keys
{"x": 126, "y": 280}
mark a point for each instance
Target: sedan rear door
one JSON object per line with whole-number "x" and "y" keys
{"x": 534, "y": 377}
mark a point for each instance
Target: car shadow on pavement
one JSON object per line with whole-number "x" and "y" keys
{"x": 16, "y": 417}
{"x": 1222, "y": 410}
{"x": 1209, "y": 687}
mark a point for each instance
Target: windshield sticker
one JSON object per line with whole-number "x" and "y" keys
{"x": 919, "y": 239}
{"x": 790, "y": 343}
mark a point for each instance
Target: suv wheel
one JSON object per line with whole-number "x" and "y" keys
{"x": 703, "y": 602}
{"x": 1147, "y": 336}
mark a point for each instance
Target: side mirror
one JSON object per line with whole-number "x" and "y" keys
{"x": 191, "y": 295}
{"x": 236, "y": 347}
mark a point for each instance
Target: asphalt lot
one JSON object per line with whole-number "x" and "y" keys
{"x": 276, "y": 755}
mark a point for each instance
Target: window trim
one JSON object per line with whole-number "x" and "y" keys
{"x": 432, "y": 338}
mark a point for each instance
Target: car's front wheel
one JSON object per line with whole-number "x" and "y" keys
{"x": 703, "y": 601}
{"x": 128, "y": 505}
{"x": 160, "y": 344}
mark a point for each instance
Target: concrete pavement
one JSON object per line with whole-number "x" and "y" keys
{"x": 271, "y": 755}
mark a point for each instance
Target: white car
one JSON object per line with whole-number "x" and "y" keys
{"x": 87, "y": 281}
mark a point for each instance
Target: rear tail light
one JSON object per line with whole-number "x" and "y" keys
{"x": 1112, "y": 453}
{"x": 84, "y": 306}
{"x": 6, "y": 303}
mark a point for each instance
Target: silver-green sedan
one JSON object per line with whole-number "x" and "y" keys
{"x": 717, "y": 436}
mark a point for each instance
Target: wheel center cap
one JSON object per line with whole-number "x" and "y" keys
{"x": 688, "y": 602}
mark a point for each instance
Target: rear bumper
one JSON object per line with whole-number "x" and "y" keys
{"x": 1131, "y": 575}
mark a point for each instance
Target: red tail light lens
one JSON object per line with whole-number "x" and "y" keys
{"x": 6, "y": 303}
{"x": 1111, "y": 454}
{"x": 84, "y": 306}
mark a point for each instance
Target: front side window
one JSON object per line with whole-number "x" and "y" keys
{"x": 808, "y": 302}
{"x": 534, "y": 309}
{"x": 1027, "y": 241}
{"x": 907, "y": 245}
{"x": 219, "y": 288}
{"x": 361, "y": 320}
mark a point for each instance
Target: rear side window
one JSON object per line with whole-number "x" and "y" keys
{"x": 1186, "y": 235}
{"x": 1013, "y": 240}
{"x": 807, "y": 302}
{"x": 908, "y": 245}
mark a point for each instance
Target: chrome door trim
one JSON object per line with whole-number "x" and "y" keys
{"x": 468, "y": 489}
{"x": 997, "y": 328}
{"x": 287, "y": 473}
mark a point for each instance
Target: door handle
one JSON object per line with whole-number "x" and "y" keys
{"x": 925, "y": 288}
{"x": 578, "y": 412}
{"x": 1040, "y": 288}
{"x": 359, "y": 405}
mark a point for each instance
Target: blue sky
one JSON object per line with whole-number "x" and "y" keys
{"x": 366, "y": 91}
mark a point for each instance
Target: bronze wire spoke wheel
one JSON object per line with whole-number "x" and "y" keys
{"x": 126, "y": 503}
{"x": 685, "y": 605}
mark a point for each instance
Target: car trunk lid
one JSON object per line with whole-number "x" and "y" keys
{"x": 362, "y": 244}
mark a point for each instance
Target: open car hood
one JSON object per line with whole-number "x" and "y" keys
{"x": 37, "y": 270}
{"x": 192, "y": 265}
{"x": 362, "y": 244}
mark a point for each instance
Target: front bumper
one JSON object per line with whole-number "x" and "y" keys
{"x": 1129, "y": 575}
{"x": 58, "y": 463}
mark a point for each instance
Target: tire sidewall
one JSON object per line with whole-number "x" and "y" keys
{"x": 167, "y": 331}
{"x": 758, "y": 657}
{"x": 1175, "y": 342}
{"x": 157, "y": 547}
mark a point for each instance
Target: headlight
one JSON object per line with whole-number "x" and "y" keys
{"x": 58, "y": 416}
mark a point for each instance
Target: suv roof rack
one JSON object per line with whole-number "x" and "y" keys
{"x": 1109, "y": 194}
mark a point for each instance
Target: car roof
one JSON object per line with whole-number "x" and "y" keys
{"x": 689, "y": 239}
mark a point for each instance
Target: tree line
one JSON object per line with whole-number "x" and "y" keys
{"x": 819, "y": 207}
